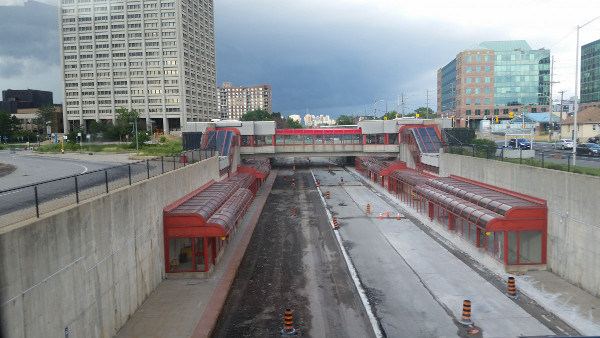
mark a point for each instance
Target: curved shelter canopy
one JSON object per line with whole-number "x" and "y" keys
{"x": 456, "y": 205}
{"x": 258, "y": 168}
{"x": 194, "y": 210}
{"x": 496, "y": 200}
{"x": 409, "y": 176}
{"x": 223, "y": 221}
{"x": 491, "y": 208}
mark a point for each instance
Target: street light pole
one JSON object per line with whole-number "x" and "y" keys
{"x": 374, "y": 105}
{"x": 137, "y": 147}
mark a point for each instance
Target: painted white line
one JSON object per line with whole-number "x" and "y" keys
{"x": 85, "y": 169}
{"x": 352, "y": 269}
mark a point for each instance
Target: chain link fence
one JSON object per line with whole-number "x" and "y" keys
{"x": 32, "y": 201}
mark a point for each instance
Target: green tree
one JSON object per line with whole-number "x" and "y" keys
{"x": 21, "y": 135}
{"x": 257, "y": 115}
{"x": 293, "y": 123}
{"x": 44, "y": 114}
{"x": 344, "y": 120}
{"x": 425, "y": 113}
{"x": 390, "y": 115}
{"x": 6, "y": 125}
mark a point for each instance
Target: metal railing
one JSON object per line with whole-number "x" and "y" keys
{"x": 31, "y": 201}
{"x": 544, "y": 159}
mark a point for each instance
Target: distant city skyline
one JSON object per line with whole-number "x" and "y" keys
{"x": 331, "y": 63}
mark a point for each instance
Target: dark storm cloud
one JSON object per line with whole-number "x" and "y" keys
{"x": 312, "y": 61}
{"x": 29, "y": 36}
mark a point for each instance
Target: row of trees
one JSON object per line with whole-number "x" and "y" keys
{"x": 10, "y": 126}
{"x": 263, "y": 115}
{"x": 421, "y": 112}
{"x": 281, "y": 123}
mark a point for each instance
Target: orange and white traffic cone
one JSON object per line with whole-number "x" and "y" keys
{"x": 387, "y": 213}
{"x": 380, "y": 215}
{"x": 398, "y": 217}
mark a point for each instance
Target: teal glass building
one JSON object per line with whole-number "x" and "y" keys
{"x": 494, "y": 80}
{"x": 590, "y": 74}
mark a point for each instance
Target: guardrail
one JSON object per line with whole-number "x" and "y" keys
{"x": 33, "y": 200}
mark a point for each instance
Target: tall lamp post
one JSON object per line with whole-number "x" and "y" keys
{"x": 374, "y": 109}
{"x": 135, "y": 131}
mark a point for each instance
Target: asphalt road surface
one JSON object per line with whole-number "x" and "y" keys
{"x": 415, "y": 283}
{"x": 293, "y": 262}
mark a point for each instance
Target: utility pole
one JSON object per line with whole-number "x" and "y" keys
{"x": 561, "y": 111}
{"x": 402, "y": 104}
{"x": 550, "y": 120}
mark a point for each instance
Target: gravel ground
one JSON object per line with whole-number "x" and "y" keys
{"x": 293, "y": 262}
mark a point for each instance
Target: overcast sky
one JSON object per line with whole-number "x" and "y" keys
{"x": 335, "y": 56}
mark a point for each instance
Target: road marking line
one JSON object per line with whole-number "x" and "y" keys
{"x": 352, "y": 270}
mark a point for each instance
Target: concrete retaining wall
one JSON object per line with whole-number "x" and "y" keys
{"x": 573, "y": 212}
{"x": 89, "y": 267}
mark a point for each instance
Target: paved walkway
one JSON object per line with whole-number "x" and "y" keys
{"x": 190, "y": 307}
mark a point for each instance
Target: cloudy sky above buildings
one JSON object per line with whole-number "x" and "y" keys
{"x": 335, "y": 56}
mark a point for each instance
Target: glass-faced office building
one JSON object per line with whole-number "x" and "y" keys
{"x": 590, "y": 75}
{"x": 494, "y": 80}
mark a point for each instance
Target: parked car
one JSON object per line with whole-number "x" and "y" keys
{"x": 594, "y": 140}
{"x": 563, "y": 144}
{"x": 519, "y": 143}
{"x": 591, "y": 149}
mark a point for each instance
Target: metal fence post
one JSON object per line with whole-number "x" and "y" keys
{"x": 473, "y": 150}
{"x": 129, "y": 167}
{"x": 174, "y": 163}
{"x": 76, "y": 190}
{"x": 148, "y": 168}
{"x": 162, "y": 164}
{"x": 568, "y": 162}
{"x": 502, "y": 154}
{"x": 37, "y": 204}
{"x": 192, "y": 156}
{"x": 521, "y": 156}
{"x": 543, "y": 152}
{"x": 106, "y": 179}
{"x": 183, "y": 158}
{"x": 487, "y": 153}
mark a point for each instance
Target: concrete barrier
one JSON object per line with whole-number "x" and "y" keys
{"x": 87, "y": 268}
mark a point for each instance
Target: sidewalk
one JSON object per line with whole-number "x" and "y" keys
{"x": 574, "y": 306}
{"x": 190, "y": 307}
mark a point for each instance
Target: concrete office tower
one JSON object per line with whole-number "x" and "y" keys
{"x": 590, "y": 75}
{"x": 494, "y": 79}
{"x": 237, "y": 101}
{"x": 157, "y": 57}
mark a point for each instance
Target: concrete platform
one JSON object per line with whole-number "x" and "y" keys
{"x": 571, "y": 304}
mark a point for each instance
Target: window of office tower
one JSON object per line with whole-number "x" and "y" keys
{"x": 521, "y": 77}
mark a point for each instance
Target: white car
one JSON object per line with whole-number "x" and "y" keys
{"x": 563, "y": 144}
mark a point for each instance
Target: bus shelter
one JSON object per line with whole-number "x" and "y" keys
{"x": 511, "y": 227}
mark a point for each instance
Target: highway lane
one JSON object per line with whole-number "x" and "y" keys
{"x": 415, "y": 285}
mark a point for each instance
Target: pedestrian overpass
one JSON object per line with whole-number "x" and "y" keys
{"x": 412, "y": 140}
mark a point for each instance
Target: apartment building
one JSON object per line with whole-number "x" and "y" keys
{"x": 494, "y": 80}
{"x": 237, "y": 101}
{"x": 156, "y": 57}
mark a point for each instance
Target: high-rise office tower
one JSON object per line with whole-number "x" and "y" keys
{"x": 494, "y": 80}
{"x": 157, "y": 57}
